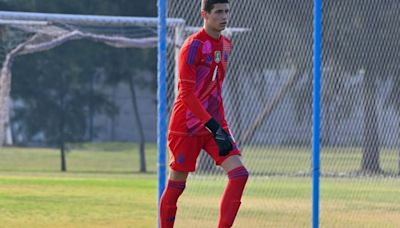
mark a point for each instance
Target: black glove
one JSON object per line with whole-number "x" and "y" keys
{"x": 222, "y": 138}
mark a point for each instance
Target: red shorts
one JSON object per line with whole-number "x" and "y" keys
{"x": 184, "y": 151}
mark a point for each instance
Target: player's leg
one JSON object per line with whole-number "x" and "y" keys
{"x": 183, "y": 154}
{"x": 175, "y": 187}
{"x": 232, "y": 196}
{"x": 237, "y": 175}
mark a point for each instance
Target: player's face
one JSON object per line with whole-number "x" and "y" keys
{"x": 217, "y": 19}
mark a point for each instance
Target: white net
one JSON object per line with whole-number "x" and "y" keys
{"x": 26, "y": 33}
{"x": 271, "y": 60}
{"x": 360, "y": 114}
{"x": 268, "y": 100}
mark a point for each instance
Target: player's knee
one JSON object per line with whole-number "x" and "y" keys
{"x": 239, "y": 173}
{"x": 178, "y": 175}
{"x": 246, "y": 173}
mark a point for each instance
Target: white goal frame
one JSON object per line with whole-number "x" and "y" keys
{"x": 47, "y": 19}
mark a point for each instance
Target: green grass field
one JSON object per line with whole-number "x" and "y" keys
{"x": 102, "y": 188}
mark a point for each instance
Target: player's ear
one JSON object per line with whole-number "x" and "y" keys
{"x": 203, "y": 14}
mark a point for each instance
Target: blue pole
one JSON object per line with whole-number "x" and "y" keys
{"x": 316, "y": 111}
{"x": 162, "y": 98}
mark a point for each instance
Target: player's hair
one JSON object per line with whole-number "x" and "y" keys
{"x": 208, "y": 5}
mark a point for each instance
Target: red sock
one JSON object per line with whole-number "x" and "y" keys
{"x": 231, "y": 199}
{"x": 168, "y": 202}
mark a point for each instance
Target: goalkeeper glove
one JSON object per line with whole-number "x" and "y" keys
{"x": 222, "y": 138}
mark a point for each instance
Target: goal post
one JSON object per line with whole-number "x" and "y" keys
{"x": 37, "y": 32}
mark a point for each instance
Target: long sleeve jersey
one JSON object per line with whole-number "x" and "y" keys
{"x": 202, "y": 67}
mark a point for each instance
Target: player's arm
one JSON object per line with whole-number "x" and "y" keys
{"x": 187, "y": 82}
{"x": 189, "y": 57}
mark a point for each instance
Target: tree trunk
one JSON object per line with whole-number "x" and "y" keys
{"x": 63, "y": 161}
{"x": 112, "y": 122}
{"x": 61, "y": 134}
{"x": 91, "y": 109}
{"x": 62, "y": 144}
{"x": 370, "y": 157}
{"x": 142, "y": 154}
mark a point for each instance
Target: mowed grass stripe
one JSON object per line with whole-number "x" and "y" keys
{"x": 103, "y": 189}
{"x": 78, "y": 202}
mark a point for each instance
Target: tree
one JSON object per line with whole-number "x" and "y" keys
{"x": 280, "y": 38}
{"x": 98, "y": 7}
{"x": 365, "y": 40}
{"x": 119, "y": 70}
{"x": 102, "y": 7}
{"x": 54, "y": 102}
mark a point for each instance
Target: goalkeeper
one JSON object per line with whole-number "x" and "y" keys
{"x": 198, "y": 119}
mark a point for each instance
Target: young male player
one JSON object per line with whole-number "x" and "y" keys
{"x": 198, "y": 119}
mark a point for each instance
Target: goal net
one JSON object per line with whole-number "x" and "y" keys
{"x": 24, "y": 33}
{"x": 269, "y": 64}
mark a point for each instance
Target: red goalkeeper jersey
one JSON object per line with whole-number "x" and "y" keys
{"x": 202, "y": 67}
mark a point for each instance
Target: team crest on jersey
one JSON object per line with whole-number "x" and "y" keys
{"x": 217, "y": 56}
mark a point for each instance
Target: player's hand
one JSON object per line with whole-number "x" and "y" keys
{"x": 222, "y": 138}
